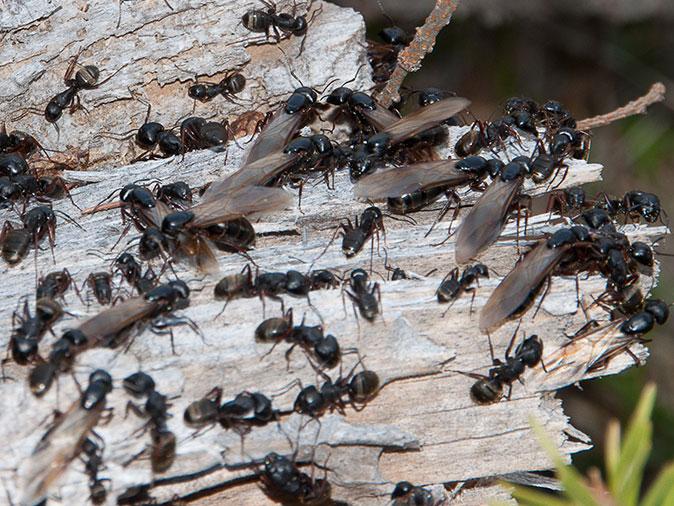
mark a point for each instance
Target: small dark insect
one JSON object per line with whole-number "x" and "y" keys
{"x": 177, "y": 195}
{"x": 489, "y": 389}
{"x": 364, "y": 295}
{"x": 24, "y": 340}
{"x": 517, "y": 291}
{"x": 86, "y": 78}
{"x": 383, "y": 56}
{"x": 38, "y": 222}
{"x": 353, "y": 389}
{"x": 452, "y": 285}
{"x": 285, "y": 483}
{"x": 406, "y": 494}
{"x": 101, "y": 285}
{"x": 112, "y": 327}
{"x": 65, "y": 440}
{"x": 93, "y": 461}
{"x": 230, "y": 85}
{"x": 355, "y": 236}
{"x": 53, "y": 285}
{"x": 265, "y": 21}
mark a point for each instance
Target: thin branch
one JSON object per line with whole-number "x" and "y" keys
{"x": 638, "y": 106}
{"x": 409, "y": 59}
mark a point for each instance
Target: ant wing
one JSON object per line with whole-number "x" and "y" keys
{"x": 517, "y": 290}
{"x": 379, "y": 117}
{"x": 486, "y": 219}
{"x": 202, "y": 256}
{"x": 398, "y": 181}
{"x": 258, "y": 173}
{"x": 56, "y": 450}
{"x": 426, "y": 117}
{"x": 111, "y": 322}
{"x": 243, "y": 202}
{"x": 273, "y": 138}
{"x": 153, "y": 216}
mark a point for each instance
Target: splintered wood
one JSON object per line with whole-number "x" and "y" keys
{"x": 422, "y": 426}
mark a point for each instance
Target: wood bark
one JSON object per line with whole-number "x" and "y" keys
{"x": 422, "y": 426}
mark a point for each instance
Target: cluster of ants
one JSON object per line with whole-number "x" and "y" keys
{"x": 389, "y": 158}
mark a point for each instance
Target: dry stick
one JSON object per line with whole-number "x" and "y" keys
{"x": 409, "y": 59}
{"x": 638, "y": 106}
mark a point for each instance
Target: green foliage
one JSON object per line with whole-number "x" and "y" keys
{"x": 625, "y": 459}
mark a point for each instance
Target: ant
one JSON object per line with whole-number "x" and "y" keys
{"x": 452, "y": 285}
{"x": 262, "y": 21}
{"x": 231, "y": 84}
{"x": 24, "y": 340}
{"x": 311, "y": 338}
{"x": 93, "y": 457}
{"x": 355, "y": 235}
{"x": 101, "y": 285}
{"x": 406, "y": 494}
{"x": 163, "y": 441}
{"x": 354, "y": 389}
{"x": 489, "y": 389}
{"x": 54, "y": 285}
{"x": 364, "y": 295}
{"x": 85, "y": 78}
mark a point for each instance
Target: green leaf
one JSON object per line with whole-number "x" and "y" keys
{"x": 634, "y": 452}
{"x": 572, "y": 481}
{"x": 662, "y": 490}
{"x": 527, "y": 496}
{"x": 612, "y": 454}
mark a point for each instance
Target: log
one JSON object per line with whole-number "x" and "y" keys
{"x": 422, "y": 426}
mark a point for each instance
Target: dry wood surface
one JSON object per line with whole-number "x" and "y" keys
{"x": 422, "y": 426}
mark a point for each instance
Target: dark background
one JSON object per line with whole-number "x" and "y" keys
{"x": 593, "y": 57}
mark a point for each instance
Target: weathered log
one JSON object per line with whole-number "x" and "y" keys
{"x": 422, "y": 426}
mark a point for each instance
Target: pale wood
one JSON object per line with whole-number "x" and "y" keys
{"x": 422, "y": 427}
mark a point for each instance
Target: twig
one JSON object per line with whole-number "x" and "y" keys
{"x": 638, "y": 106}
{"x": 409, "y": 59}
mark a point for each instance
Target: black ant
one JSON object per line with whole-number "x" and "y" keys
{"x": 262, "y": 21}
{"x": 100, "y": 284}
{"x": 85, "y": 78}
{"x": 452, "y": 285}
{"x": 93, "y": 457}
{"x": 231, "y": 84}
{"x": 163, "y": 441}
{"x": 406, "y": 494}
{"x": 489, "y": 389}
{"x": 364, "y": 295}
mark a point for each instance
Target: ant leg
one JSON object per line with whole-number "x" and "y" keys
{"x": 545, "y": 292}
{"x": 512, "y": 340}
{"x": 491, "y": 348}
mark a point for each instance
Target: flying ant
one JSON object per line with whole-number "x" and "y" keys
{"x": 218, "y": 221}
{"x": 85, "y": 78}
{"x": 64, "y": 441}
{"x": 488, "y": 216}
{"x": 366, "y": 113}
{"x": 489, "y": 389}
{"x": 412, "y": 187}
{"x": 111, "y": 327}
{"x": 517, "y": 290}
{"x": 264, "y": 21}
{"x": 231, "y": 84}
{"x": 452, "y": 286}
{"x": 408, "y": 128}
{"x": 364, "y": 295}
